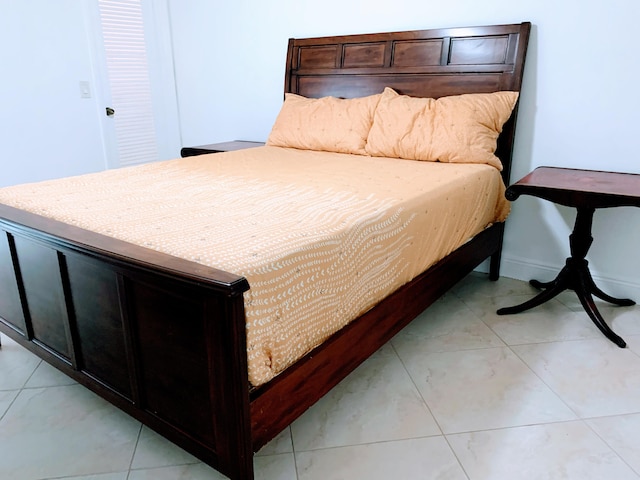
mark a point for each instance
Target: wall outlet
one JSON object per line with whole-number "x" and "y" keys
{"x": 85, "y": 89}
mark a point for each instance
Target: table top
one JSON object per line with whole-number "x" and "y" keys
{"x": 229, "y": 146}
{"x": 219, "y": 147}
{"x": 576, "y": 187}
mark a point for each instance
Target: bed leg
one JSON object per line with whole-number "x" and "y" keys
{"x": 229, "y": 388}
{"x": 494, "y": 262}
{"x": 494, "y": 266}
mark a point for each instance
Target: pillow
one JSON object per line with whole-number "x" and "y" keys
{"x": 456, "y": 129}
{"x": 328, "y": 124}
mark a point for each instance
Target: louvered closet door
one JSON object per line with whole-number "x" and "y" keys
{"x": 134, "y": 64}
{"x": 128, "y": 76}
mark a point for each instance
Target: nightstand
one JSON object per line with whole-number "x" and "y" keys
{"x": 219, "y": 147}
{"x": 586, "y": 191}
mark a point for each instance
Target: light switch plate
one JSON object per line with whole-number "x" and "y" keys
{"x": 85, "y": 89}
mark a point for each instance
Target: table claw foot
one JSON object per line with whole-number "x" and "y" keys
{"x": 539, "y": 299}
{"x": 549, "y": 290}
{"x": 622, "y": 302}
{"x": 542, "y": 285}
{"x": 590, "y": 307}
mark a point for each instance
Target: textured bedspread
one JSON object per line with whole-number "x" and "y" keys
{"x": 321, "y": 237}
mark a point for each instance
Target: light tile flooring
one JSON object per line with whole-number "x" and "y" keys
{"x": 461, "y": 393}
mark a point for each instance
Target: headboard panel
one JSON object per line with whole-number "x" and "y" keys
{"x": 421, "y": 63}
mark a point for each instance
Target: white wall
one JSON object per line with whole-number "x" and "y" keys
{"x": 46, "y": 129}
{"x": 579, "y": 103}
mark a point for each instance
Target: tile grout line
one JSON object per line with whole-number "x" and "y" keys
{"x": 133, "y": 454}
{"x": 586, "y": 423}
{"x": 19, "y": 390}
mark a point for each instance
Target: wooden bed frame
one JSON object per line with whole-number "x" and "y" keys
{"x": 164, "y": 339}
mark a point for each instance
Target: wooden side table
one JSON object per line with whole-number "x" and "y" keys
{"x": 219, "y": 147}
{"x": 585, "y": 190}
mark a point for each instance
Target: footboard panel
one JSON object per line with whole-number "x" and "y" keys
{"x": 99, "y": 324}
{"x": 46, "y": 319}
{"x": 166, "y": 346}
{"x": 10, "y": 304}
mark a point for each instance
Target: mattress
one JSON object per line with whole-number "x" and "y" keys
{"x": 321, "y": 237}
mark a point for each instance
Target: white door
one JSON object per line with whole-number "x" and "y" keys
{"x": 134, "y": 79}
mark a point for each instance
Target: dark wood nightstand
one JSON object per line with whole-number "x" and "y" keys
{"x": 585, "y": 190}
{"x": 219, "y": 147}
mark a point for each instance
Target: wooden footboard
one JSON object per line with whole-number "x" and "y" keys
{"x": 152, "y": 335}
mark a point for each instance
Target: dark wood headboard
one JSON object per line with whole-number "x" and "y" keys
{"x": 421, "y": 63}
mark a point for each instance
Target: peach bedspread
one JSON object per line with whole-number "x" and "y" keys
{"x": 321, "y": 237}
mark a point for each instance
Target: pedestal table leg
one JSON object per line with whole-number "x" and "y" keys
{"x": 576, "y": 276}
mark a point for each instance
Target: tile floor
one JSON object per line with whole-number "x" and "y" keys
{"x": 461, "y": 393}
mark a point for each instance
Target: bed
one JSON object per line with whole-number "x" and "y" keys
{"x": 104, "y": 309}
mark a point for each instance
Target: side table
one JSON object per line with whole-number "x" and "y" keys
{"x": 585, "y": 190}
{"x": 219, "y": 147}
